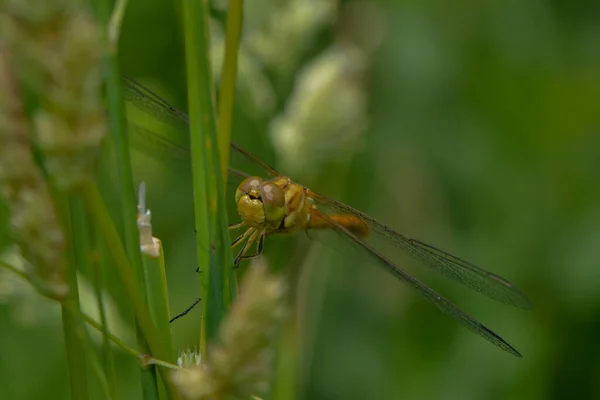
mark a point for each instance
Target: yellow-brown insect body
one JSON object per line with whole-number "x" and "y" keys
{"x": 352, "y": 223}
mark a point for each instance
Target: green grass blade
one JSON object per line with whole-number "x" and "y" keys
{"x": 154, "y": 270}
{"x": 118, "y": 130}
{"x": 80, "y": 242}
{"x": 98, "y": 269}
{"x": 210, "y": 213}
{"x": 226, "y": 104}
{"x": 103, "y": 222}
{"x": 75, "y": 348}
{"x": 228, "y": 81}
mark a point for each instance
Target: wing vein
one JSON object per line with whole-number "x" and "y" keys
{"x": 461, "y": 271}
{"x": 443, "y": 304}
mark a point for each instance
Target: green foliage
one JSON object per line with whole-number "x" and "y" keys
{"x": 472, "y": 127}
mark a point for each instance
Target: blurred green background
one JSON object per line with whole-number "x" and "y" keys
{"x": 474, "y": 126}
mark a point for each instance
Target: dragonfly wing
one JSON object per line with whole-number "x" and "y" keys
{"x": 157, "y": 145}
{"x": 152, "y": 104}
{"x": 463, "y": 272}
{"x": 149, "y": 102}
{"x": 254, "y": 160}
{"x": 237, "y": 175}
{"x": 443, "y": 304}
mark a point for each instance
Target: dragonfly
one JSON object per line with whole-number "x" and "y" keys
{"x": 278, "y": 205}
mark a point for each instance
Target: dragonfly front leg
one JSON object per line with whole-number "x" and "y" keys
{"x": 233, "y": 227}
{"x": 242, "y": 237}
{"x": 248, "y": 233}
{"x": 242, "y": 254}
{"x": 259, "y": 249}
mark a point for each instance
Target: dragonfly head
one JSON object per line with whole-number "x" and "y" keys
{"x": 260, "y": 203}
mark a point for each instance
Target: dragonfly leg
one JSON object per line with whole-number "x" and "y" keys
{"x": 233, "y": 227}
{"x": 244, "y": 249}
{"x": 238, "y": 240}
{"x": 242, "y": 237}
{"x": 259, "y": 248}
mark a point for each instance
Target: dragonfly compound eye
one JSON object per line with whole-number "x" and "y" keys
{"x": 274, "y": 203}
{"x": 246, "y": 186}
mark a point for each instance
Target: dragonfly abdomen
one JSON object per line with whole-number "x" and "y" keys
{"x": 352, "y": 223}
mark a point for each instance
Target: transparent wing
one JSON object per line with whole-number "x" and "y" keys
{"x": 157, "y": 145}
{"x": 461, "y": 271}
{"x": 151, "y": 103}
{"x": 174, "y": 146}
{"x": 443, "y": 304}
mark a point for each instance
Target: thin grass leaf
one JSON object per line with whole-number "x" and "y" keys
{"x": 209, "y": 202}
{"x": 118, "y": 130}
{"x": 72, "y": 324}
{"x": 98, "y": 269}
{"x": 103, "y": 222}
{"x": 154, "y": 270}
